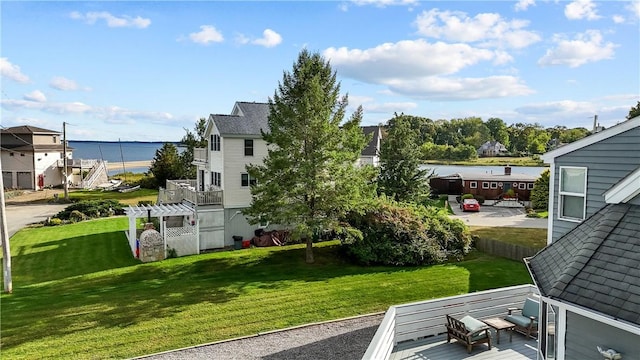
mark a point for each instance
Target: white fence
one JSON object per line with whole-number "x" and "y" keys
{"x": 427, "y": 318}
{"x": 183, "y": 239}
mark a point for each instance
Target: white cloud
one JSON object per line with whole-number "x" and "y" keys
{"x": 440, "y": 88}
{"x": 36, "y": 96}
{"x": 581, "y": 9}
{"x": 523, "y": 5}
{"x": 111, "y": 20}
{"x": 64, "y": 84}
{"x": 488, "y": 29}
{"x": 11, "y": 71}
{"x": 269, "y": 39}
{"x": 618, "y": 19}
{"x": 406, "y": 59}
{"x": 206, "y": 35}
{"x": 634, "y": 8}
{"x": 370, "y": 106}
{"x": 586, "y": 47}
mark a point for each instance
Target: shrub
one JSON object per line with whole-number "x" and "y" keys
{"x": 467, "y": 196}
{"x": 76, "y": 216}
{"x": 480, "y": 199}
{"x": 91, "y": 209}
{"x": 403, "y": 234}
{"x": 53, "y": 222}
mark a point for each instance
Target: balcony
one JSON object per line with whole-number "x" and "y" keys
{"x": 178, "y": 191}
{"x": 417, "y": 330}
{"x": 200, "y": 156}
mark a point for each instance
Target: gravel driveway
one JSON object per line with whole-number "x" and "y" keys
{"x": 343, "y": 339}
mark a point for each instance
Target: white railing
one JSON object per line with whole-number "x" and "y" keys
{"x": 179, "y": 190}
{"x": 97, "y": 173}
{"x": 200, "y": 155}
{"x": 427, "y": 318}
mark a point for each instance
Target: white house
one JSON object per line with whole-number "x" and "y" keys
{"x": 32, "y": 158}
{"x": 222, "y": 188}
{"x": 492, "y": 148}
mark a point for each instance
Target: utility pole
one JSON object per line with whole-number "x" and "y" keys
{"x": 64, "y": 150}
{"x": 6, "y": 249}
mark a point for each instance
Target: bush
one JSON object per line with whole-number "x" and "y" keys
{"x": 467, "y": 196}
{"x": 480, "y": 199}
{"x": 403, "y": 234}
{"x": 90, "y": 209}
{"x": 145, "y": 202}
{"x": 53, "y": 222}
{"x": 149, "y": 182}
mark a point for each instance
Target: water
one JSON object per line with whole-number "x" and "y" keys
{"x": 110, "y": 151}
{"x": 444, "y": 170}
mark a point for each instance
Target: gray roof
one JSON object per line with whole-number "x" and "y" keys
{"x": 372, "y": 148}
{"x": 248, "y": 118}
{"x": 491, "y": 177}
{"x": 28, "y": 129}
{"x": 596, "y": 265}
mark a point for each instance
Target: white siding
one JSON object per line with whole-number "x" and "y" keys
{"x": 236, "y": 196}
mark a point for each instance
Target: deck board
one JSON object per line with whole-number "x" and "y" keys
{"x": 437, "y": 348}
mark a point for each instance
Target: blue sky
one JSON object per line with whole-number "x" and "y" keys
{"x": 146, "y": 70}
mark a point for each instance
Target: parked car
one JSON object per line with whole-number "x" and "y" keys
{"x": 470, "y": 205}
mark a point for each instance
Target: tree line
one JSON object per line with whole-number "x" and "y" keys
{"x": 459, "y": 139}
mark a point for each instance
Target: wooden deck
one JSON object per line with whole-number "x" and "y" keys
{"x": 437, "y": 348}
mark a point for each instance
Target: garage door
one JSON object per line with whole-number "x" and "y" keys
{"x": 25, "y": 180}
{"x": 7, "y": 179}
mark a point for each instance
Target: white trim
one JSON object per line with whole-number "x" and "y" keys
{"x": 485, "y": 183}
{"x": 552, "y": 197}
{"x": 595, "y": 315}
{"x": 592, "y": 139}
{"x": 473, "y": 184}
{"x": 494, "y": 185}
{"x": 625, "y": 190}
{"x": 566, "y": 193}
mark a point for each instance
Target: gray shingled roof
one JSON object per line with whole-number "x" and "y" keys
{"x": 596, "y": 265}
{"x": 490, "y": 177}
{"x": 28, "y": 129}
{"x": 248, "y": 119}
{"x": 372, "y": 148}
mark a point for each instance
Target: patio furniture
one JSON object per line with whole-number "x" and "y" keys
{"x": 468, "y": 331}
{"x": 499, "y": 324}
{"x": 527, "y": 321}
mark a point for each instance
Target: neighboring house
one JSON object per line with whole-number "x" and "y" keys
{"x": 32, "y": 158}
{"x": 589, "y": 274}
{"x": 490, "y": 186}
{"x": 492, "y": 148}
{"x": 222, "y": 188}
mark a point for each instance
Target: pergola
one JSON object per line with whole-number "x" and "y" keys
{"x": 160, "y": 211}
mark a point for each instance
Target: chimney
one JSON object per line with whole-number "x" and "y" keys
{"x": 507, "y": 170}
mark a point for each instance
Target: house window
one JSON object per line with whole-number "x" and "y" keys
{"x": 530, "y": 186}
{"x": 248, "y": 147}
{"x": 215, "y": 142}
{"x": 485, "y": 184}
{"x": 247, "y": 180}
{"x": 473, "y": 184}
{"x": 10, "y": 154}
{"x": 522, "y": 186}
{"x": 572, "y": 193}
{"x": 216, "y": 179}
{"x": 494, "y": 185}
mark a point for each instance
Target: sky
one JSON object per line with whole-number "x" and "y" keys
{"x": 146, "y": 71}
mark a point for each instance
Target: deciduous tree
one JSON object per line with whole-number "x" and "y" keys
{"x": 309, "y": 179}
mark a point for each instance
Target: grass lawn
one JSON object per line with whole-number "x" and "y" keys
{"x": 129, "y": 198}
{"x": 536, "y": 238}
{"x": 79, "y": 294}
{"x": 491, "y": 161}
{"x": 542, "y": 214}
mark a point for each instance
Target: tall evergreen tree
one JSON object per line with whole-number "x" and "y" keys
{"x": 401, "y": 176}
{"x": 166, "y": 164}
{"x": 309, "y": 179}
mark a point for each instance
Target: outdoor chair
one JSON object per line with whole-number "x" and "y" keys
{"x": 468, "y": 331}
{"x": 526, "y": 322}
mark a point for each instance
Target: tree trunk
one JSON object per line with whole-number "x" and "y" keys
{"x": 309, "y": 252}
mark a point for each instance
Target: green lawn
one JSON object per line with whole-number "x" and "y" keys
{"x": 79, "y": 294}
{"x": 531, "y": 237}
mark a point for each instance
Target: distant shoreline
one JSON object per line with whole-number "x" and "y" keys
{"x": 116, "y": 165}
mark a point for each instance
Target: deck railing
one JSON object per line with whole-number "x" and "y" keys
{"x": 427, "y": 318}
{"x": 179, "y": 190}
{"x": 201, "y": 155}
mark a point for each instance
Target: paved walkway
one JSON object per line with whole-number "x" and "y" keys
{"x": 19, "y": 216}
